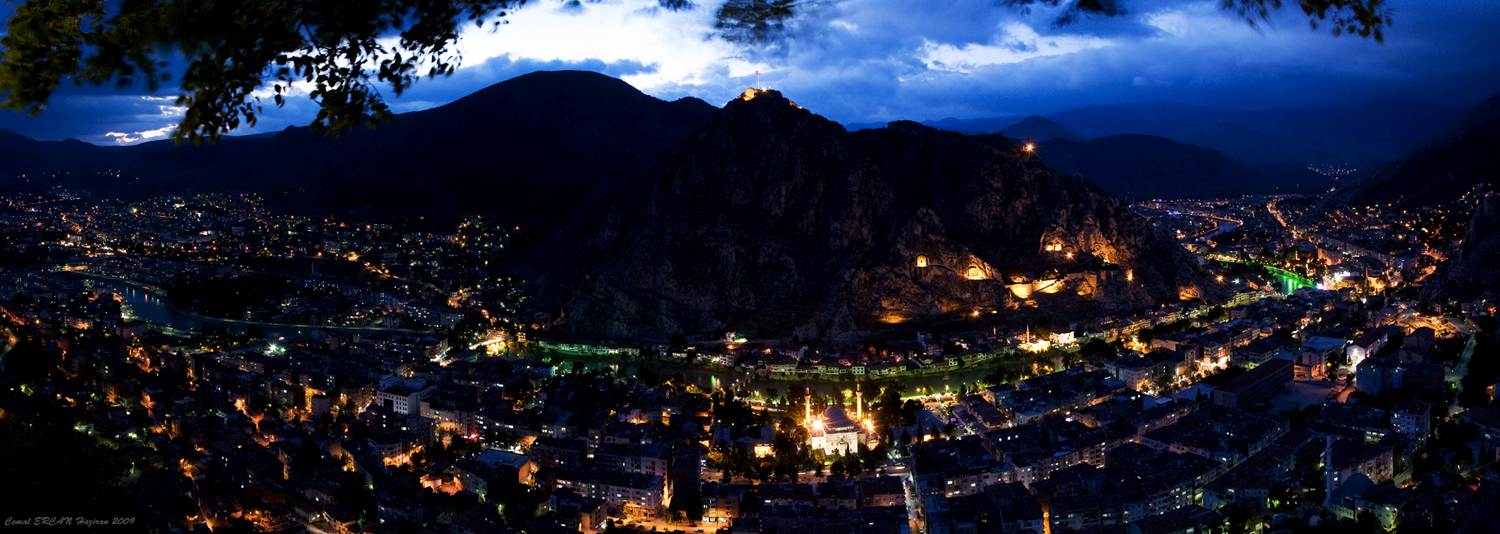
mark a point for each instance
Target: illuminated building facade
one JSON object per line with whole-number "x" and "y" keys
{"x": 834, "y": 431}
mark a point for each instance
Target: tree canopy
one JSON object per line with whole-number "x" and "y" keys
{"x": 238, "y": 52}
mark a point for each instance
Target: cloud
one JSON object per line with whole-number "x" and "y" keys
{"x": 135, "y": 137}
{"x": 1020, "y": 43}
{"x": 1139, "y": 81}
{"x": 876, "y": 61}
{"x": 92, "y": 117}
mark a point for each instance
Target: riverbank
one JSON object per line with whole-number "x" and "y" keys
{"x": 151, "y": 305}
{"x": 711, "y": 378}
{"x": 1290, "y": 281}
{"x": 838, "y": 376}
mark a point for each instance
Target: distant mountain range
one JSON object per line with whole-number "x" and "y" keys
{"x": 773, "y": 221}
{"x": 1136, "y": 167}
{"x": 970, "y": 126}
{"x": 1036, "y": 128}
{"x": 1362, "y": 136}
{"x": 1140, "y": 167}
{"x": 1460, "y": 155}
{"x": 528, "y": 149}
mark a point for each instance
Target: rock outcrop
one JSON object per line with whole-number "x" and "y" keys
{"x": 775, "y": 221}
{"x": 1476, "y": 270}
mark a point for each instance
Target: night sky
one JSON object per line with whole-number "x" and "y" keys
{"x": 880, "y": 60}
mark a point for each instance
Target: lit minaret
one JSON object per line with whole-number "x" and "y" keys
{"x": 859, "y": 404}
{"x": 807, "y": 405}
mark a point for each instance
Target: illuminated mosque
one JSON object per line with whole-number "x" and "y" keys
{"x": 834, "y": 431}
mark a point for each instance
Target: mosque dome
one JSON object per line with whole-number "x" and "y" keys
{"x": 836, "y": 419}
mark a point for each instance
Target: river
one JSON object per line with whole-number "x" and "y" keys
{"x": 152, "y": 306}
{"x": 1286, "y": 281}
{"x": 712, "y": 379}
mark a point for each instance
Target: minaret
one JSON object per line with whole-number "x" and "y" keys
{"x": 807, "y": 405}
{"x": 859, "y": 404}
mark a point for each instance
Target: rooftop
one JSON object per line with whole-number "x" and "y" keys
{"x": 1255, "y": 376}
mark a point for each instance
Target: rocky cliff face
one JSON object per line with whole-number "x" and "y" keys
{"x": 775, "y": 221}
{"x": 1476, "y": 270}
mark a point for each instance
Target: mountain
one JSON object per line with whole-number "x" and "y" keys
{"x": 987, "y": 125}
{"x": 774, "y": 221}
{"x": 1145, "y": 167}
{"x": 22, "y": 155}
{"x": 1036, "y": 128}
{"x": 1463, "y": 154}
{"x": 1363, "y": 135}
{"x": 1476, "y": 270}
{"x": 528, "y": 148}
{"x": 1360, "y": 135}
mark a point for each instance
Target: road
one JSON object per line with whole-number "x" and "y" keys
{"x": 891, "y": 468}
{"x": 1458, "y": 373}
{"x": 1275, "y": 212}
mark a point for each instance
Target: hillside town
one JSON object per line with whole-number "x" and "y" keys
{"x": 256, "y": 371}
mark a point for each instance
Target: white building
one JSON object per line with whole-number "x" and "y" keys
{"x": 403, "y": 395}
{"x": 1412, "y": 418}
{"x": 835, "y": 432}
{"x": 633, "y": 495}
{"x": 1367, "y": 345}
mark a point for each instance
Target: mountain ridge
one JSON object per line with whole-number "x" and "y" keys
{"x": 771, "y": 219}
{"x": 1038, "y": 128}
{"x": 511, "y": 148}
{"x": 1362, "y": 135}
{"x": 1135, "y": 166}
{"x": 1456, "y": 158}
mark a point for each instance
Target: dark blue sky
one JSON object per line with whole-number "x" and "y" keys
{"x": 879, "y": 60}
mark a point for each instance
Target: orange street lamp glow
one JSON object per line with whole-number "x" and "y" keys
{"x": 1029, "y": 147}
